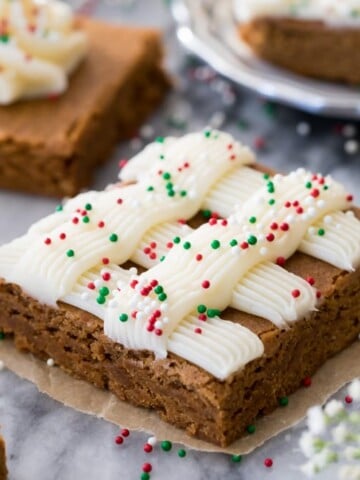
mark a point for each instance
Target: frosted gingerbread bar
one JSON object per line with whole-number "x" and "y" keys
{"x": 316, "y": 38}
{"x": 3, "y": 469}
{"x": 209, "y": 318}
{"x": 70, "y": 89}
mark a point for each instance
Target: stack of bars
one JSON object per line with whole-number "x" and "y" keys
{"x": 202, "y": 286}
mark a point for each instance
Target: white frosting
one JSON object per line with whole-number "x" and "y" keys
{"x": 333, "y": 12}
{"x": 39, "y": 48}
{"x": 182, "y": 278}
{"x": 145, "y": 225}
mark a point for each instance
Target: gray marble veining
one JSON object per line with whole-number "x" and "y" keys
{"x": 47, "y": 441}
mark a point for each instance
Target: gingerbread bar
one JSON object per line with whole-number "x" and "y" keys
{"x": 209, "y": 320}
{"x": 65, "y": 135}
{"x": 309, "y": 38}
{"x": 3, "y": 469}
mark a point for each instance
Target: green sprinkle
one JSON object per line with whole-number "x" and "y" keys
{"x": 158, "y": 289}
{"x": 162, "y": 297}
{"x": 215, "y": 244}
{"x": 101, "y": 299}
{"x": 233, "y": 242}
{"x": 321, "y": 232}
{"x": 308, "y": 185}
{"x": 113, "y": 237}
{"x": 270, "y": 187}
{"x": 86, "y": 219}
{"x": 104, "y": 291}
{"x": 252, "y": 219}
{"x": 2, "y": 335}
{"x": 59, "y": 208}
{"x": 252, "y": 240}
{"x": 176, "y": 239}
{"x": 182, "y": 453}
{"x": 187, "y": 245}
{"x": 326, "y": 187}
{"x": 283, "y": 401}
{"x": 70, "y": 253}
{"x": 183, "y": 193}
{"x": 201, "y": 308}
{"x": 160, "y": 139}
{"x": 166, "y": 445}
{"x": 271, "y": 201}
{"x": 251, "y": 429}
{"x": 213, "y": 312}
{"x": 166, "y": 176}
{"x": 88, "y": 206}
{"x": 4, "y": 38}
{"x": 150, "y": 189}
{"x": 162, "y": 258}
{"x": 266, "y": 176}
{"x": 171, "y": 193}
{"x": 145, "y": 476}
{"x": 207, "y": 133}
{"x": 169, "y": 186}
{"x": 206, "y": 213}
{"x": 123, "y": 317}
{"x": 162, "y": 157}
{"x": 236, "y": 458}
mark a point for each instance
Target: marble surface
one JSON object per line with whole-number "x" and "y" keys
{"x": 47, "y": 441}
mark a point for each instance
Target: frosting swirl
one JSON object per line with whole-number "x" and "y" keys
{"x": 39, "y": 48}
{"x": 333, "y": 12}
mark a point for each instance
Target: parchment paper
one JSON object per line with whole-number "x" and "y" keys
{"x": 89, "y": 399}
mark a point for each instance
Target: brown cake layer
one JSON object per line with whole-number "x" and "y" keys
{"x": 307, "y": 47}
{"x": 52, "y": 146}
{"x": 3, "y": 469}
{"x": 184, "y": 394}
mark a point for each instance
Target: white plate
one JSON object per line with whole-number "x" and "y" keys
{"x": 208, "y": 29}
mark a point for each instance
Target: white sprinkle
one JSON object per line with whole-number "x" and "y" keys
{"x": 97, "y": 282}
{"x": 158, "y": 324}
{"x": 147, "y": 131}
{"x": 135, "y": 203}
{"x": 50, "y": 362}
{"x": 133, "y": 271}
{"x": 139, "y": 316}
{"x": 354, "y": 390}
{"x": 311, "y": 230}
{"x": 311, "y": 212}
{"x": 290, "y": 219}
{"x": 351, "y": 147}
{"x": 328, "y": 219}
{"x": 316, "y": 420}
{"x": 321, "y": 203}
{"x": 261, "y": 237}
{"x": 113, "y": 303}
{"x": 152, "y": 441}
{"x": 165, "y": 320}
{"x": 303, "y": 129}
{"x": 85, "y": 296}
{"x": 333, "y": 408}
{"x": 164, "y": 307}
{"x": 263, "y": 251}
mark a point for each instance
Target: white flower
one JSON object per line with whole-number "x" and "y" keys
{"x": 349, "y": 472}
{"x": 340, "y": 433}
{"x": 309, "y": 469}
{"x": 316, "y": 420}
{"x": 307, "y": 444}
{"x": 354, "y": 390}
{"x": 333, "y": 408}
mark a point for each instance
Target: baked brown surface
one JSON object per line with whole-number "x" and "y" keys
{"x": 3, "y": 469}
{"x": 51, "y": 146}
{"x": 307, "y": 47}
{"x": 182, "y": 393}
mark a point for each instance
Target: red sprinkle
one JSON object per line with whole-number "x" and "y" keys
{"x": 122, "y": 162}
{"x": 202, "y": 317}
{"x": 105, "y": 261}
{"x": 125, "y": 432}
{"x": 213, "y": 221}
{"x": 284, "y": 227}
{"x": 318, "y": 294}
{"x": 119, "y": 201}
{"x": 350, "y": 198}
{"x": 101, "y": 224}
{"x": 147, "y": 467}
{"x": 154, "y": 283}
{"x": 270, "y": 237}
{"x": 348, "y": 399}
{"x": 169, "y": 245}
{"x": 91, "y": 285}
{"x": 153, "y": 244}
{"x": 310, "y": 280}
{"x": 147, "y": 250}
{"x": 244, "y": 245}
{"x": 158, "y": 332}
{"x": 315, "y": 192}
{"x": 268, "y": 462}
{"x": 75, "y": 220}
{"x": 307, "y": 382}
{"x": 296, "y": 203}
{"x": 47, "y": 241}
{"x": 119, "y": 440}
{"x": 205, "y": 284}
{"x": 62, "y": 236}
{"x": 274, "y": 226}
{"x": 148, "y": 448}
{"x": 106, "y": 276}
{"x": 299, "y": 210}
{"x": 152, "y": 255}
{"x": 198, "y": 330}
{"x": 296, "y": 293}
{"x": 287, "y": 204}
{"x": 224, "y": 223}
{"x": 133, "y": 283}
{"x": 281, "y": 261}
{"x": 199, "y": 257}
